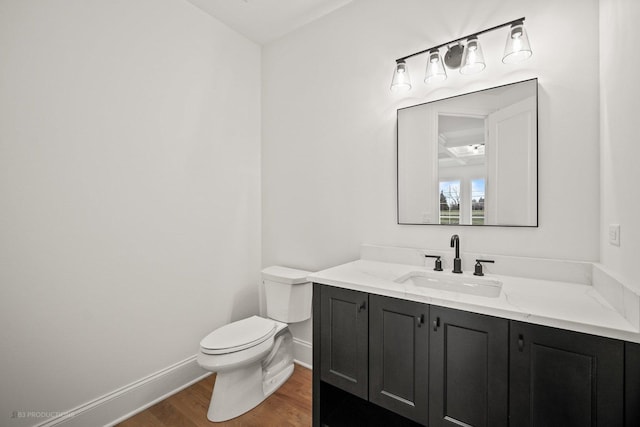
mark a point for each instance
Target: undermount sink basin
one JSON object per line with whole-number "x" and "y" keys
{"x": 454, "y": 283}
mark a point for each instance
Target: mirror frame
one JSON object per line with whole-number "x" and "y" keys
{"x": 537, "y": 168}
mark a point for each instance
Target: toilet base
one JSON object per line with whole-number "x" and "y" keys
{"x": 271, "y": 385}
{"x": 239, "y": 390}
{"x": 235, "y": 392}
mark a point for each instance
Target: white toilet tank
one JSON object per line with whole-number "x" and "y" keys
{"x": 288, "y": 294}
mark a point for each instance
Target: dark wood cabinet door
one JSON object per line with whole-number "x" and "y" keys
{"x": 344, "y": 339}
{"x": 468, "y": 369}
{"x": 632, "y": 384}
{"x": 398, "y": 356}
{"x": 564, "y": 379}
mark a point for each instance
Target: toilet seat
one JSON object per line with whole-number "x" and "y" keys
{"x": 238, "y": 336}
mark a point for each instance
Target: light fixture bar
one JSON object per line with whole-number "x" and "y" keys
{"x": 515, "y": 21}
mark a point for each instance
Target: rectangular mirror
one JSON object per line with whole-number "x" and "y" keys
{"x": 471, "y": 159}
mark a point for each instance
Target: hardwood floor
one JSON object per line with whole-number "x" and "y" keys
{"x": 290, "y": 405}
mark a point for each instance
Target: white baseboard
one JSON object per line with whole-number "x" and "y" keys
{"x": 302, "y": 353}
{"x": 117, "y": 406}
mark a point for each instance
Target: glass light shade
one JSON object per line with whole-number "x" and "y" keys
{"x": 401, "y": 81}
{"x": 472, "y": 57}
{"x": 435, "y": 68}
{"x": 518, "y": 47}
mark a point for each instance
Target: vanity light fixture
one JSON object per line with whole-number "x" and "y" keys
{"x": 518, "y": 47}
{"x": 401, "y": 80}
{"x": 472, "y": 57}
{"x": 469, "y": 57}
{"x": 435, "y": 68}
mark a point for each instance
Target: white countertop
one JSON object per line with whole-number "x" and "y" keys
{"x": 576, "y": 307}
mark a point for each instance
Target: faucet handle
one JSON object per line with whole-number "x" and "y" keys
{"x": 478, "y": 266}
{"x": 438, "y": 264}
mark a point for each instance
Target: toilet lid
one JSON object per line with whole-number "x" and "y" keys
{"x": 238, "y": 335}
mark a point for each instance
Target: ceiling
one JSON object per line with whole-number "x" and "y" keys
{"x": 266, "y": 20}
{"x": 461, "y": 140}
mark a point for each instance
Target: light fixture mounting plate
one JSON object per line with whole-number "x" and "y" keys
{"x": 453, "y": 57}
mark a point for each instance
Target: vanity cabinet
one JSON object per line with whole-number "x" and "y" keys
{"x": 344, "y": 339}
{"x": 387, "y": 361}
{"x": 564, "y": 378}
{"x": 632, "y": 384}
{"x": 398, "y": 356}
{"x": 468, "y": 368}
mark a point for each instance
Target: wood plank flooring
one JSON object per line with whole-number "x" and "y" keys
{"x": 290, "y": 406}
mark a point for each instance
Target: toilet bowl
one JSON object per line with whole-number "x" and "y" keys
{"x": 253, "y": 357}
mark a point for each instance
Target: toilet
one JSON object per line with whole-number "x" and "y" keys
{"x": 253, "y": 357}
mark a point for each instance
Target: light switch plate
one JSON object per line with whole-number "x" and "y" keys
{"x": 614, "y": 234}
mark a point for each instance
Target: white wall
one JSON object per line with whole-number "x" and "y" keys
{"x": 329, "y": 162}
{"x": 130, "y": 193}
{"x": 619, "y": 104}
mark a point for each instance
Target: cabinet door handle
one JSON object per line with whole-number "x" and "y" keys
{"x": 363, "y": 306}
{"x": 436, "y": 324}
{"x": 520, "y": 342}
{"x": 420, "y": 320}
